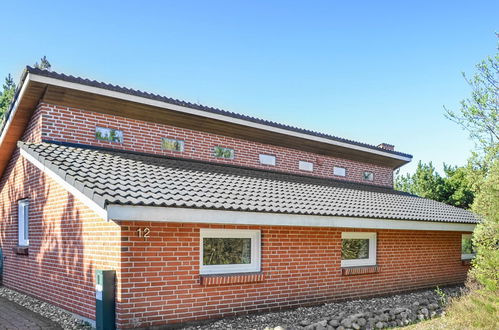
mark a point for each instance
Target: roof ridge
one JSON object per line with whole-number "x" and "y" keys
{"x": 140, "y": 93}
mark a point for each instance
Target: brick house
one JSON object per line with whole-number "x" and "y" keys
{"x": 204, "y": 213}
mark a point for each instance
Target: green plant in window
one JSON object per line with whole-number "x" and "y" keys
{"x": 355, "y": 249}
{"x": 467, "y": 246}
{"x": 221, "y": 152}
{"x": 226, "y": 251}
{"x": 172, "y": 144}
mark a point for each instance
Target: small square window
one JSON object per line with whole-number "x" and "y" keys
{"x": 368, "y": 176}
{"x": 267, "y": 159}
{"x": 358, "y": 249}
{"x": 340, "y": 171}
{"x": 467, "y": 248}
{"x": 221, "y": 152}
{"x": 108, "y": 134}
{"x": 225, "y": 251}
{"x": 23, "y": 222}
{"x": 306, "y": 166}
{"x": 172, "y": 144}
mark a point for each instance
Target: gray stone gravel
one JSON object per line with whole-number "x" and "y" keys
{"x": 64, "y": 319}
{"x": 376, "y": 313}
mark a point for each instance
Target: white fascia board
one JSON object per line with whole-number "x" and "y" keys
{"x": 166, "y": 105}
{"x": 14, "y": 109}
{"x": 185, "y": 215}
{"x": 75, "y": 192}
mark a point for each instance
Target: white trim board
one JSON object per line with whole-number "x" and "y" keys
{"x": 166, "y": 105}
{"x": 78, "y": 194}
{"x": 172, "y": 214}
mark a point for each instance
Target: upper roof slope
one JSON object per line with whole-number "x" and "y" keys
{"x": 125, "y": 178}
{"x": 116, "y": 88}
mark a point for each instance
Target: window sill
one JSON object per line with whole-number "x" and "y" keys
{"x": 359, "y": 270}
{"x": 224, "y": 279}
{"x": 20, "y": 250}
{"x": 466, "y": 262}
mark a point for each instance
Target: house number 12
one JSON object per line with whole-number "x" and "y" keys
{"x": 144, "y": 232}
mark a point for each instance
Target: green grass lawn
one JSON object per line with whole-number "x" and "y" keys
{"x": 478, "y": 309}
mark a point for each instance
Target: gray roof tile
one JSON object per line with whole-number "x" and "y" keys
{"x": 117, "y": 177}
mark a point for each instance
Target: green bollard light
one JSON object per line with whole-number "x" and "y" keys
{"x": 105, "y": 318}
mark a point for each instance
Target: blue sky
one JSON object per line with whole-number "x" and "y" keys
{"x": 371, "y": 71}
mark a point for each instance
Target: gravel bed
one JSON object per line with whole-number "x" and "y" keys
{"x": 64, "y": 319}
{"x": 376, "y": 313}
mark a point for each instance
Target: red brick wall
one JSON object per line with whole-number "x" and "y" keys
{"x": 68, "y": 241}
{"x": 158, "y": 279}
{"x": 78, "y": 126}
{"x": 161, "y": 283}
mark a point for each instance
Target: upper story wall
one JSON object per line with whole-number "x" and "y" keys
{"x": 64, "y": 124}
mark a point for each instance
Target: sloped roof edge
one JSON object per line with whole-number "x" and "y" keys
{"x": 111, "y": 177}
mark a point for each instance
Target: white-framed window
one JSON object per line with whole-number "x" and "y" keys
{"x": 222, "y": 152}
{"x": 23, "y": 222}
{"x": 267, "y": 159}
{"x": 225, "y": 251}
{"x": 358, "y": 249}
{"x": 306, "y": 166}
{"x": 467, "y": 248}
{"x": 368, "y": 176}
{"x": 339, "y": 171}
{"x": 172, "y": 144}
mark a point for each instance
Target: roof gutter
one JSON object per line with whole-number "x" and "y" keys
{"x": 200, "y": 113}
{"x": 208, "y": 216}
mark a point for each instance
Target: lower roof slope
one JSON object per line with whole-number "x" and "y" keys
{"x": 127, "y": 178}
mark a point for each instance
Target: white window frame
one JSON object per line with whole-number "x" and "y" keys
{"x": 254, "y": 266}
{"x": 23, "y": 222}
{"x": 266, "y": 159}
{"x": 340, "y": 171}
{"x": 305, "y": 166}
{"x": 466, "y": 256}
{"x": 364, "y": 176}
{"x": 371, "y": 261}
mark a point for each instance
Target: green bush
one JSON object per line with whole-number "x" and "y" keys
{"x": 486, "y": 235}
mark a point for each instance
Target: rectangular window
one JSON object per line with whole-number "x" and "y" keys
{"x": 306, "y": 166}
{"x": 225, "y": 251}
{"x": 267, "y": 159}
{"x": 340, "y": 171}
{"x": 23, "y": 223}
{"x": 172, "y": 144}
{"x": 467, "y": 248}
{"x": 358, "y": 249}
{"x": 108, "y": 134}
{"x": 221, "y": 152}
{"x": 368, "y": 176}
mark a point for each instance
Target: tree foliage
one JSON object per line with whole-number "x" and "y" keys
{"x": 486, "y": 235}
{"x": 479, "y": 113}
{"x": 7, "y": 94}
{"x": 44, "y": 64}
{"x": 454, "y": 188}
{"x": 9, "y": 87}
